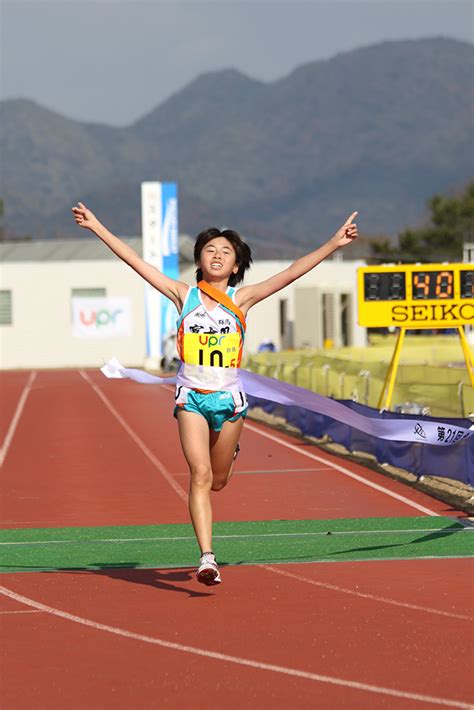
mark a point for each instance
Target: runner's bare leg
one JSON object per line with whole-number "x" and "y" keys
{"x": 223, "y": 444}
{"x": 194, "y": 436}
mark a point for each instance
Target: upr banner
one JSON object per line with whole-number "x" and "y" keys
{"x": 160, "y": 248}
{"x": 101, "y": 317}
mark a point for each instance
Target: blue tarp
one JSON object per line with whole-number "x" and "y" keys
{"x": 456, "y": 461}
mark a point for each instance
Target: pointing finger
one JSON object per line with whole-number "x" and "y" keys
{"x": 351, "y": 218}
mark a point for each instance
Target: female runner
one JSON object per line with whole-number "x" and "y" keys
{"x": 211, "y": 329}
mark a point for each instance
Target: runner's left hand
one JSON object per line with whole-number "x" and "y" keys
{"x": 347, "y": 233}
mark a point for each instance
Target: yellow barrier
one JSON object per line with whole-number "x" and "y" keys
{"x": 432, "y": 373}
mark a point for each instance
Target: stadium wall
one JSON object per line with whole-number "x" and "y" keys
{"x": 41, "y": 336}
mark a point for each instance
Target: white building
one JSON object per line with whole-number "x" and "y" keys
{"x": 38, "y": 281}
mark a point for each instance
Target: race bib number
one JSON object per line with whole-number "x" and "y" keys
{"x": 219, "y": 350}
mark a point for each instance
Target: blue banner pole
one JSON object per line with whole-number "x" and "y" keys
{"x": 160, "y": 248}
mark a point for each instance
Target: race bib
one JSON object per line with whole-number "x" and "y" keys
{"x": 219, "y": 350}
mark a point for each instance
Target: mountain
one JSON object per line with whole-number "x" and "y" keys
{"x": 379, "y": 129}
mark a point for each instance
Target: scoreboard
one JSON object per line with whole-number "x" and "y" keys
{"x": 416, "y": 295}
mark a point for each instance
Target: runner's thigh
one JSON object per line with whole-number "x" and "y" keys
{"x": 223, "y": 445}
{"x": 194, "y": 437}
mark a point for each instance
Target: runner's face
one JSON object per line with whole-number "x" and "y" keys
{"x": 217, "y": 259}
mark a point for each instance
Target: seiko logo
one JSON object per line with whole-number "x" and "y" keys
{"x": 442, "y": 312}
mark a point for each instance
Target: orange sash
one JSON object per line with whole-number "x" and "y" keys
{"x": 224, "y": 300}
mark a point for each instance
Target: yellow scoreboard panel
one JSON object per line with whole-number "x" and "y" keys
{"x": 416, "y": 295}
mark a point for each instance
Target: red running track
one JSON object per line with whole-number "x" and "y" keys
{"x": 338, "y": 635}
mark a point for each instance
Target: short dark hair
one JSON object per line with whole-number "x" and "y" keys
{"x": 242, "y": 250}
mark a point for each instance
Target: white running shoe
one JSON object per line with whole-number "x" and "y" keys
{"x": 208, "y": 571}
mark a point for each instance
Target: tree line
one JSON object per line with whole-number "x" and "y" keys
{"x": 451, "y": 224}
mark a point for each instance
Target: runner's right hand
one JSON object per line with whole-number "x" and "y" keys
{"x": 84, "y": 217}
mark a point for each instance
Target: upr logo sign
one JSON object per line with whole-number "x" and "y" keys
{"x": 101, "y": 317}
{"x": 211, "y": 340}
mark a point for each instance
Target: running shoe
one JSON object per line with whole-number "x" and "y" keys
{"x": 208, "y": 571}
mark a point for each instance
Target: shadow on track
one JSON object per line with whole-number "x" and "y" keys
{"x": 131, "y": 572}
{"x": 159, "y": 579}
{"x": 437, "y": 535}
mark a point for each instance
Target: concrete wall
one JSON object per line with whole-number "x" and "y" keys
{"x": 319, "y": 315}
{"x": 41, "y": 333}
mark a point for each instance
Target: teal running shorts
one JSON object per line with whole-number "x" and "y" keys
{"x": 216, "y": 407}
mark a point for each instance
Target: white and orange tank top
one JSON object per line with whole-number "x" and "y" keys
{"x": 211, "y": 338}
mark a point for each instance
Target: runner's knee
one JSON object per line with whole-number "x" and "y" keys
{"x": 220, "y": 480}
{"x": 201, "y": 476}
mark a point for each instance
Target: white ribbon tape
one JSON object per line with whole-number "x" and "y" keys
{"x": 419, "y": 430}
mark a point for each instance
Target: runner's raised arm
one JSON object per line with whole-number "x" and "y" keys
{"x": 248, "y": 296}
{"x": 172, "y": 289}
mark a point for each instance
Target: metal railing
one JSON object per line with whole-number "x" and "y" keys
{"x": 342, "y": 380}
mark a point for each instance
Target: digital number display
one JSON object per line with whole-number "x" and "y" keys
{"x": 467, "y": 283}
{"x": 432, "y": 284}
{"x": 416, "y": 295}
{"x": 388, "y": 286}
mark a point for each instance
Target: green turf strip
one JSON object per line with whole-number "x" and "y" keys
{"x": 272, "y": 541}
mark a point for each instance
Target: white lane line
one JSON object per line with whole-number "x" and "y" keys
{"x": 345, "y": 471}
{"x": 466, "y": 523}
{"x": 288, "y": 561}
{"x": 139, "y": 442}
{"x": 178, "y": 538}
{"x": 16, "y": 417}
{"x": 341, "y": 682}
{"x": 374, "y": 597}
{"x": 270, "y": 470}
{"x": 342, "y": 470}
{"x": 284, "y": 470}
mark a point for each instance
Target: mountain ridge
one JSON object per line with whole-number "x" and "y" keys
{"x": 378, "y": 129}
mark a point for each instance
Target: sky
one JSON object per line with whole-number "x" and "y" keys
{"x": 113, "y": 61}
